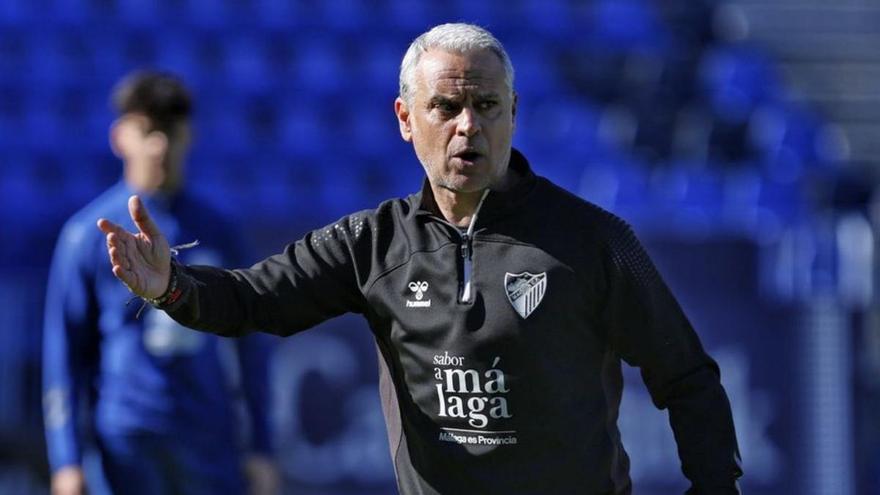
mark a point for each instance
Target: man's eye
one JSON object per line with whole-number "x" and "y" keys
{"x": 446, "y": 107}
{"x": 486, "y": 105}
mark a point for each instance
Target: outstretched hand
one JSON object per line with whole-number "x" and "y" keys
{"x": 142, "y": 261}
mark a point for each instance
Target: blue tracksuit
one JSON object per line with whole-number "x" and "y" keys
{"x": 160, "y": 398}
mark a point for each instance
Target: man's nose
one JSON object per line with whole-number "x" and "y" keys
{"x": 468, "y": 122}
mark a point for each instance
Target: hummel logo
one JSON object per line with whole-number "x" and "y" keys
{"x": 418, "y": 288}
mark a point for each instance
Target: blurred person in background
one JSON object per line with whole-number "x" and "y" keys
{"x": 501, "y": 304}
{"x": 161, "y": 405}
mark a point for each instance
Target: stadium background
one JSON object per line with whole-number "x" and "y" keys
{"x": 739, "y": 138}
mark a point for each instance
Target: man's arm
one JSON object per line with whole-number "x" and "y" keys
{"x": 67, "y": 334}
{"x": 314, "y": 279}
{"x": 649, "y": 330}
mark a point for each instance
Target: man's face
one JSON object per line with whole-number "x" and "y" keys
{"x": 460, "y": 119}
{"x": 156, "y": 157}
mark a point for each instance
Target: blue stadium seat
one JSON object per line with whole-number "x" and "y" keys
{"x": 599, "y": 184}
{"x": 108, "y": 58}
{"x": 12, "y": 110}
{"x": 301, "y": 127}
{"x": 785, "y": 199}
{"x": 557, "y": 124}
{"x": 688, "y": 20}
{"x": 42, "y": 127}
{"x": 280, "y": 14}
{"x": 371, "y": 127}
{"x": 688, "y": 194}
{"x": 377, "y": 65}
{"x": 345, "y": 15}
{"x": 178, "y": 52}
{"x": 563, "y": 169}
{"x": 16, "y": 190}
{"x": 319, "y": 66}
{"x": 69, "y": 12}
{"x": 789, "y": 139}
{"x": 412, "y": 17}
{"x": 499, "y": 16}
{"x": 656, "y": 128}
{"x": 554, "y": 19}
{"x": 262, "y": 117}
{"x": 83, "y": 117}
{"x": 139, "y": 14}
{"x": 246, "y": 62}
{"x": 42, "y": 177}
{"x": 140, "y": 49}
{"x": 343, "y": 188}
{"x": 594, "y": 71}
{"x": 615, "y": 182}
{"x": 17, "y": 13}
{"x": 46, "y": 64}
{"x": 736, "y": 79}
{"x": 741, "y": 193}
{"x": 537, "y": 73}
{"x": 704, "y": 189}
{"x": 270, "y": 186}
{"x": 622, "y": 25}
{"x": 14, "y": 55}
{"x": 223, "y": 127}
{"x": 208, "y": 14}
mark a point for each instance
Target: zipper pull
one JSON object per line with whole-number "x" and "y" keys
{"x": 465, "y": 246}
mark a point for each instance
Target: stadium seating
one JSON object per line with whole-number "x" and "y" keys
{"x": 594, "y": 79}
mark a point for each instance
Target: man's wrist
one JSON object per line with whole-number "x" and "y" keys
{"x": 172, "y": 292}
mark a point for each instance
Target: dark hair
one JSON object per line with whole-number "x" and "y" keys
{"x": 160, "y": 96}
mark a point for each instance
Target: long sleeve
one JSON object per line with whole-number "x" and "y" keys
{"x": 649, "y": 330}
{"x": 67, "y": 334}
{"x": 313, "y": 280}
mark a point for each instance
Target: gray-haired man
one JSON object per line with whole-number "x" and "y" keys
{"x": 500, "y": 336}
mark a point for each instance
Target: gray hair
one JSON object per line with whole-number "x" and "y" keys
{"x": 455, "y": 38}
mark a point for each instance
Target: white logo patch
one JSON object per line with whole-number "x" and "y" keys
{"x": 525, "y": 291}
{"x": 418, "y": 288}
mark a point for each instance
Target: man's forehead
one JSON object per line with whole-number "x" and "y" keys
{"x": 475, "y": 70}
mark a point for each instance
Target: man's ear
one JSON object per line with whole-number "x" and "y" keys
{"x": 115, "y": 137}
{"x": 513, "y": 110}
{"x": 402, "y": 111}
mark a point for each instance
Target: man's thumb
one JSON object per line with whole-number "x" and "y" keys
{"x": 142, "y": 218}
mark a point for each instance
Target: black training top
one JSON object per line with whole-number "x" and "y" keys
{"x": 500, "y": 369}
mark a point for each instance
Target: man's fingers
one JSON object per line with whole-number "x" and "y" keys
{"x": 109, "y": 227}
{"x": 126, "y": 276}
{"x": 114, "y": 240}
{"x": 119, "y": 246}
{"x": 142, "y": 218}
{"x": 118, "y": 258}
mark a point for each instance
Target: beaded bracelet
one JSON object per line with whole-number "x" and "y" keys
{"x": 171, "y": 294}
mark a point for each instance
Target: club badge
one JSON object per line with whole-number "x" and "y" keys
{"x": 525, "y": 291}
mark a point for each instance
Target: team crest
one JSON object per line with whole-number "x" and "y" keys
{"x": 525, "y": 291}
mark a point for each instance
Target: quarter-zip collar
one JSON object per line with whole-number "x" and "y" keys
{"x": 494, "y": 204}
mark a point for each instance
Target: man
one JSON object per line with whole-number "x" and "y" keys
{"x": 500, "y": 303}
{"x": 161, "y": 398}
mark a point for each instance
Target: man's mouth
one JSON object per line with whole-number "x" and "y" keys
{"x": 468, "y": 156}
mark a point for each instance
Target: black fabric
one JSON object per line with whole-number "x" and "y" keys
{"x": 490, "y": 397}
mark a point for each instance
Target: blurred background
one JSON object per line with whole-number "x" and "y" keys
{"x": 740, "y": 138}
